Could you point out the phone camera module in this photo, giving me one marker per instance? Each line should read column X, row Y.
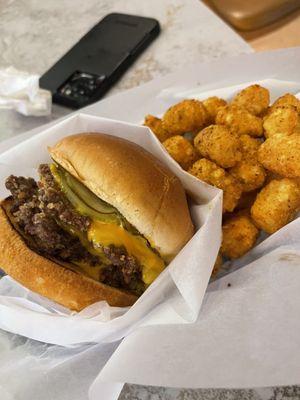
column 81, row 86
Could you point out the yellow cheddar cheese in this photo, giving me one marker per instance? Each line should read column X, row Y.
column 107, row 234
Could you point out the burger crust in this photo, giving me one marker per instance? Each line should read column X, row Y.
column 50, row 279
column 131, row 179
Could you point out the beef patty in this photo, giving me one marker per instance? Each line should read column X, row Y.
column 41, row 211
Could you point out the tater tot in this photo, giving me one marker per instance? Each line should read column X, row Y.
column 181, row 150
column 239, row 236
column 285, row 100
column 281, row 155
column 240, row 121
column 254, row 99
column 276, row 204
column 212, row 105
column 283, row 120
column 251, row 175
column 155, row 124
column 219, row 144
column 186, row 116
column 249, row 147
column 249, row 172
column 212, row 174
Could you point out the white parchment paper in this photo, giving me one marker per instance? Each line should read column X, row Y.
column 247, row 331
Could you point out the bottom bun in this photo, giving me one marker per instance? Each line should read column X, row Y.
column 50, row 279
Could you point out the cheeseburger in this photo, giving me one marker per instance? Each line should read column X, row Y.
column 102, row 222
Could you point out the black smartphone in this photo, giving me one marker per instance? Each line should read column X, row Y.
column 86, row 72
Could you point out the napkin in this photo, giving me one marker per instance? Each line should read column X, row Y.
column 20, row 91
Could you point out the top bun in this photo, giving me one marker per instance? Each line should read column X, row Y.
column 132, row 180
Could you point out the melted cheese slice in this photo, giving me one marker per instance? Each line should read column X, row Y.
column 107, row 234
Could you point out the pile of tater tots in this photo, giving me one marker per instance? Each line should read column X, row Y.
column 249, row 149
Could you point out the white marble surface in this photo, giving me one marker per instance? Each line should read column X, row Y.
column 34, row 34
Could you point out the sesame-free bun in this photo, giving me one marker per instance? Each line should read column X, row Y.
column 131, row 179
column 49, row 278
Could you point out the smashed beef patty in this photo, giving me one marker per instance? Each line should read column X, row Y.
column 123, row 268
column 56, row 204
column 36, row 208
column 31, row 213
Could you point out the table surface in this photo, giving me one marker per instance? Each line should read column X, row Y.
column 34, row 34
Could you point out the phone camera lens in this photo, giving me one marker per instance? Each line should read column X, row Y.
column 81, row 85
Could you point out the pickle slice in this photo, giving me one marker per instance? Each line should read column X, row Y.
column 86, row 202
column 88, row 197
column 78, row 203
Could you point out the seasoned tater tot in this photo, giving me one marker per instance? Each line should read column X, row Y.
column 186, row 116
column 240, row 121
column 212, row 174
column 155, row 124
column 181, row 150
column 254, row 99
column 249, row 147
column 249, row 172
column 276, row 204
column 281, row 155
column 251, row 175
column 219, row 144
column 212, row 105
column 239, row 236
column 283, row 120
column 285, row 100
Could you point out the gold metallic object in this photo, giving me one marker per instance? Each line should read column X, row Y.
column 253, row 14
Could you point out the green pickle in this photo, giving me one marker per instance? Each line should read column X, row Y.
column 84, row 201
column 89, row 198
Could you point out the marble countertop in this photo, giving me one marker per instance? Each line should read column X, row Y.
column 34, row 34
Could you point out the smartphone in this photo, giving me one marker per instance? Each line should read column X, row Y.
column 87, row 71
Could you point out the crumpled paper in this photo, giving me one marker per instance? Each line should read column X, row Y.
column 20, row 91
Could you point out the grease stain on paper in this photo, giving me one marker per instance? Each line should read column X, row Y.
column 290, row 257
